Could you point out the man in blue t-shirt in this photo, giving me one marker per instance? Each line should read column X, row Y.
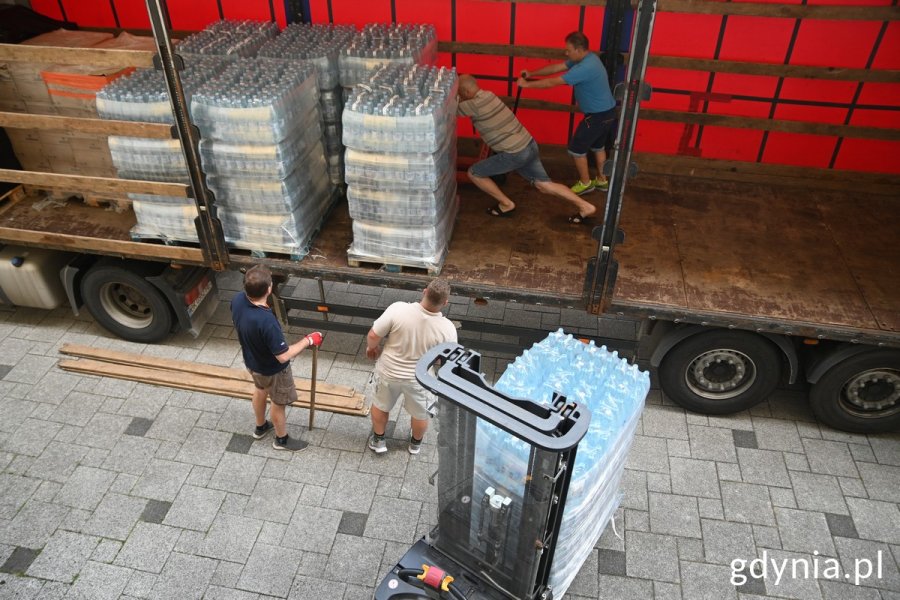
column 586, row 75
column 267, row 356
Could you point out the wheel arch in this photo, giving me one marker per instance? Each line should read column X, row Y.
column 834, row 357
column 678, row 334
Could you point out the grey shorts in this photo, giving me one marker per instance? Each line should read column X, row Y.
column 416, row 400
column 280, row 386
column 526, row 163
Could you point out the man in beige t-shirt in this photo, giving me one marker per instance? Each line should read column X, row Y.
column 411, row 329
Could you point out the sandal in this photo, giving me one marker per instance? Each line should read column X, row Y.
column 496, row 211
column 578, row 219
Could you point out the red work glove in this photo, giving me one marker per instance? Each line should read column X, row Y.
column 314, row 338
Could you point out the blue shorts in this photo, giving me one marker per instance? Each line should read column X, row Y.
column 526, row 163
column 595, row 132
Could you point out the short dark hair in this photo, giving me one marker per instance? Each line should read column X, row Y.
column 437, row 292
column 257, row 280
column 578, row 40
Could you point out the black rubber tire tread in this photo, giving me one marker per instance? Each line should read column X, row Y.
column 132, row 274
column 824, row 397
column 765, row 355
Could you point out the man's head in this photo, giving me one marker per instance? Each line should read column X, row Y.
column 257, row 281
column 436, row 295
column 577, row 46
column 468, row 87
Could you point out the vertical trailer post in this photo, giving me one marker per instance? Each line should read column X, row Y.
column 209, row 228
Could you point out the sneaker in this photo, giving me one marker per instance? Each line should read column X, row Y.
column 414, row 446
column 289, row 443
column 378, row 446
column 583, row 188
column 261, row 431
column 603, row 186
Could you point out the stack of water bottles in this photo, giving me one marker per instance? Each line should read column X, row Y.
column 262, row 151
column 614, row 392
column 228, row 38
column 320, row 45
column 399, row 129
column 379, row 44
column 142, row 96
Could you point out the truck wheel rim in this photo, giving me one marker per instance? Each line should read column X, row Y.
column 126, row 305
column 720, row 374
column 872, row 394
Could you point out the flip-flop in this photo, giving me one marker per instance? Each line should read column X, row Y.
column 496, row 211
column 577, row 219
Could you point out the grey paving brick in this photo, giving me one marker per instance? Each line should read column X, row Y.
column 215, row 592
column 612, row 587
column 648, row 454
column 63, row 556
column 235, row 504
column 852, row 487
column 796, row 462
column 173, row 424
column 33, row 524
column 194, row 508
column 184, row 577
column 782, row 497
column 140, row 585
column 313, row 528
column 31, row 436
column 270, row 570
column 392, row 464
column 886, row 449
column 389, row 487
column 767, row 537
column 98, row 581
column 665, row 422
column 139, row 426
column 390, row 519
column 22, row 588
column 818, row 492
column 351, row 491
column 203, row 447
column 862, row 453
column 882, row 481
column 131, row 455
column 611, row 562
column 651, row 556
column 14, row 491
column 706, row 582
column 744, row 439
column 694, row 477
column 239, row 443
column 19, row 560
column 747, row 503
column 789, row 586
column 161, row 480
column 148, row 547
column 106, row 551
column 230, row 538
column 30, row 369
column 273, row 500
column 237, row 473
column 710, row 508
column 724, row 542
column 103, row 430
column 145, row 401
column 830, row 458
column 115, row 516
column 311, row 588
column 777, row 434
column 85, row 488
column 355, row 560
column 674, row 515
column 884, row 574
column 76, row 409
column 841, row 525
column 637, row 520
column 874, row 520
column 765, row 467
column 750, row 585
column 659, row 482
column 712, row 443
column 804, row 531
column 53, row 387
column 690, row 549
column 832, row 590
column 634, row 487
column 155, row 511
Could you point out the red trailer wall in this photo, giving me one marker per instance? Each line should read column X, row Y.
column 852, row 44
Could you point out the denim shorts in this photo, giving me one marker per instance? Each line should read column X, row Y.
column 595, row 132
column 526, row 163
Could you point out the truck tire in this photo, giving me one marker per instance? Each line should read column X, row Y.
column 720, row 372
column 860, row 394
column 125, row 303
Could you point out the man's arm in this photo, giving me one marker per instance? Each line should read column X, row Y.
column 373, row 345
column 546, row 70
column 547, row 82
column 313, row 339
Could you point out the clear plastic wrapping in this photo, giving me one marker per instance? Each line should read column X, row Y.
column 400, row 207
column 229, row 38
column 386, row 44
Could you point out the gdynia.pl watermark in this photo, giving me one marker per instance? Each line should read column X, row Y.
column 815, row 567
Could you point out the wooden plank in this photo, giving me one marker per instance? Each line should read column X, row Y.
column 97, row 185
column 153, row 362
column 775, row 70
column 502, row 50
column 59, row 241
column 782, row 11
column 208, row 385
column 98, row 126
column 555, row 2
column 98, row 57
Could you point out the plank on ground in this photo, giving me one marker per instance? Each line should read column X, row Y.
column 201, row 383
column 141, row 360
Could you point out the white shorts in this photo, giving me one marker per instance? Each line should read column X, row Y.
column 416, row 400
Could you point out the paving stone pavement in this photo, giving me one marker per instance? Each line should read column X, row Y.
column 114, row 489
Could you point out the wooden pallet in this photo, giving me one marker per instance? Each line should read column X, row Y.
column 209, row 379
column 394, row 267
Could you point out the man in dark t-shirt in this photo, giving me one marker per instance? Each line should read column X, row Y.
column 267, row 356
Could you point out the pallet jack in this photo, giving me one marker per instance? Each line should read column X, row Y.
column 494, row 539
